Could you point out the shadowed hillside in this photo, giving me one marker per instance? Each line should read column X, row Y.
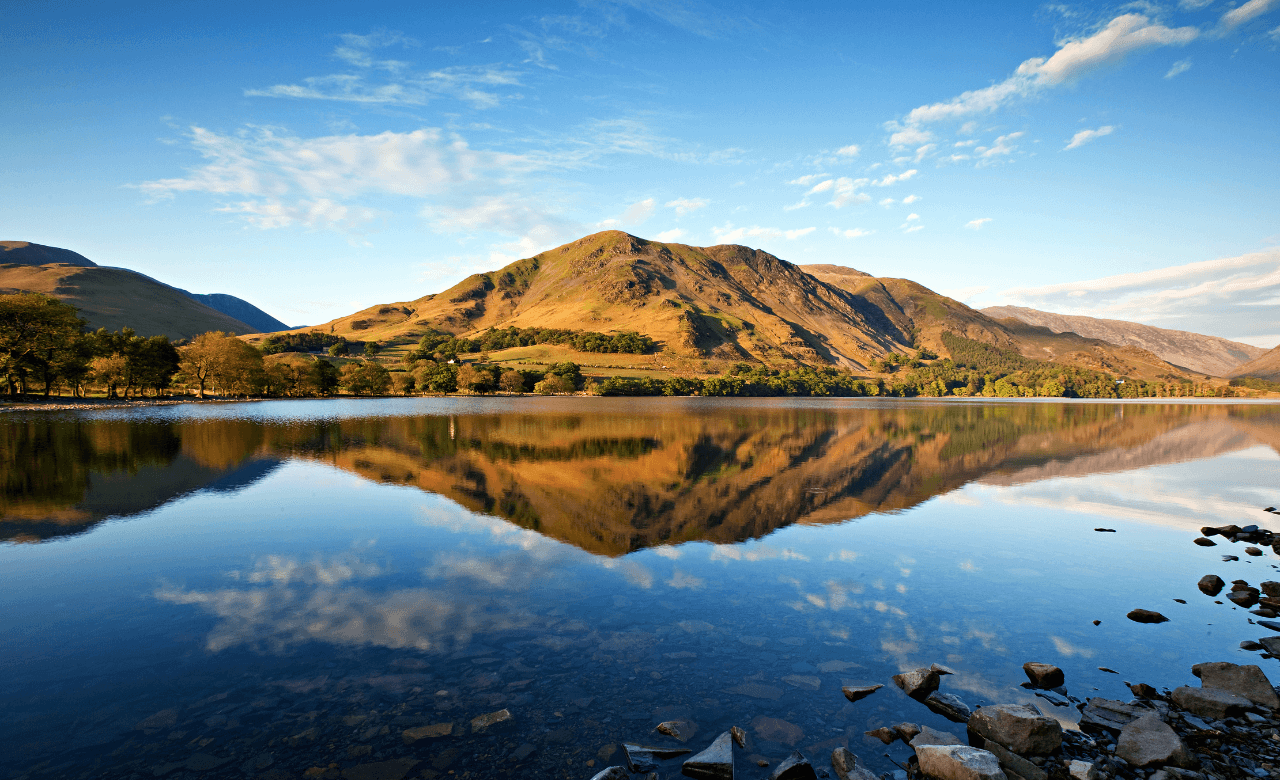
column 1265, row 366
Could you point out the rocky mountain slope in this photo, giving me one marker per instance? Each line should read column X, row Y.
column 1265, row 366
column 730, row 302
column 1203, row 354
column 113, row 298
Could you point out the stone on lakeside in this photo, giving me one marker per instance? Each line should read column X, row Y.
column 1108, row 715
column 1203, row 542
column 1247, row 681
column 929, row 736
column 959, row 762
column 1018, row 727
column 1014, row 764
column 940, row 669
column 1209, row 702
column 482, row 722
column 949, row 706
column 679, row 730
column 918, row 683
column 642, row 758
column 794, row 767
column 1254, row 551
column 884, row 734
column 612, row 773
column 413, row 735
column 777, row 730
column 845, row 764
column 1143, row 691
column 1271, row 643
column 739, row 736
column 1146, row 616
column 1044, row 675
column 907, row 731
column 857, row 692
column 1083, row 770
column 1211, row 585
column 1271, row 624
column 1243, row 598
column 714, row 763
column 1148, row 741
column 1271, row 588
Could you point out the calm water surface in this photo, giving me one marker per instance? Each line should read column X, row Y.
column 259, row 590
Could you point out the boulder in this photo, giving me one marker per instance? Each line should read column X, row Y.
column 958, row 762
column 1108, row 715
column 1143, row 691
column 714, row 763
column 1019, row 727
column 1254, row 551
column 1203, row 542
column 739, row 736
column 1271, row 588
column 1211, row 585
column 1014, row 763
column 949, row 706
column 907, row 731
column 884, row 734
column 858, row 692
column 1083, row 770
column 1148, row 741
column 940, row 669
column 1044, row 675
column 846, row 766
column 641, row 758
column 612, row 773
column 1247, row 681
column 1271, row 643
column 928, row 736
column 1146, row 616
column 1243, row 598
column 1209, row 702
column 794, row 767
column 918, row 683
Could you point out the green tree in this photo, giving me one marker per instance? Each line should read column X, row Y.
column 36, row 334
column 512, row 381
column 366, row 378
column 371, row 349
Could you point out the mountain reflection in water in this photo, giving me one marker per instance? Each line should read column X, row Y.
column 616, row 480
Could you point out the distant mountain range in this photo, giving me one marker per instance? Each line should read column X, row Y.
column 1203, row 354
column 114, row 298
column 729, row 302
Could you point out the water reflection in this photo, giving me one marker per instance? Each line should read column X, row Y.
column 611, row 483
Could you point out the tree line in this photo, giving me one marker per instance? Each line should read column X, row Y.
column 443, row 347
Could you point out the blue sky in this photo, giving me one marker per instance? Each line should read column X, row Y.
column 1113, row 160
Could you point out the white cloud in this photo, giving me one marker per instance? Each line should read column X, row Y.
column 1236, row 295
column 730, row 235
column 686, row 205
column 638, row 212
column 1250, row 10
column 320, row 213
column 1074, row 58
column 1085, row 136
column 851, row 150
column 800, row 205
column 670, row 235
column 909, row 136
column 846, row 192
column 888, row 202
column 911, row 199
column 1181, row 66
column 1194, row 5
column 912, row 228
column 851, row 233
column 913, row 217
column 891, row 178
column 821, row 186
column 976, row 224
column 805, row 181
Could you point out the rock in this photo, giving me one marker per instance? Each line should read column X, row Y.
column 1108, row 715
column 807, row 682
column 714, row 763
column 1271, row 643
column 1044, row 675
column 1271, row 588
column 1146, row 616
column 918, row 683
column 757, row 691
column 1254, row 551
column 1148, row 741
column 482, row 722
column 907, row 731
column 1019, row 727
column 777, row 730
column 949, row 706
column 1211, row 585
column 958, row 762
column 928, row 736
column 612, row 773
column 858, row 692
column 940, row 669
column 1271, row 624
column 527, row 749
column 203, row 762
column 795, row 767
column 1012, row 762
column 411, row 736
column 1203, row 542
column 846, row 766
column 739, row 736
column 1251, row 645
column 679, row 730
column 884, row 734
column 1246, row 681
column 1243, row 598
column 1209, row 702
column 1143, row 691
column 1083, row 770
column 395, row 769
column 641, row 758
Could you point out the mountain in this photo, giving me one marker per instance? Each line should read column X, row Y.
column 1203, row 354
column 113, row 298
column 1265, row 366
column 729, row 302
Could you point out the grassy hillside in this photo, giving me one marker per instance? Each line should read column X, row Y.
column 1265, row 367
column 114, row 298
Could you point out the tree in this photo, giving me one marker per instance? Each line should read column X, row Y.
column 402, row 382
column 371, row 349
column 228, row 363
column 34, row 332
column 511, row 381
column 339, row 349
column 476, row 379
column 553, row 385
column 366, row 378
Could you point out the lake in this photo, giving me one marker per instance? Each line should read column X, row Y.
column 478, row 587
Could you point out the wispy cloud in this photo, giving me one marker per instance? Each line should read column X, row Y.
column 1247, row 12
column 638, row 212
column 685, row 205
column 976, row 224
column 851, row 233
column 894, row 178
column 674, row 234
column 728, row 234
column 1085, row 136
column 1181, row 66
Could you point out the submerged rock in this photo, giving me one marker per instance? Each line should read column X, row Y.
column 958, row 762
column 907, row 731
column 1148, row 741
column 642, row 758
column 612, row 773
column 413, row 735
column 928, row 736
column 739, row 736
column 949, row 706
column 777, row 730
column 679, row 730
column 859, row 692
column 1246, row 681
column 1044, row 675
column 714, row 763
column 884, row 734
column 918, row 683
column 1146, row 616
column 1211, row 585
column 795, row 767
column 1019, row 727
